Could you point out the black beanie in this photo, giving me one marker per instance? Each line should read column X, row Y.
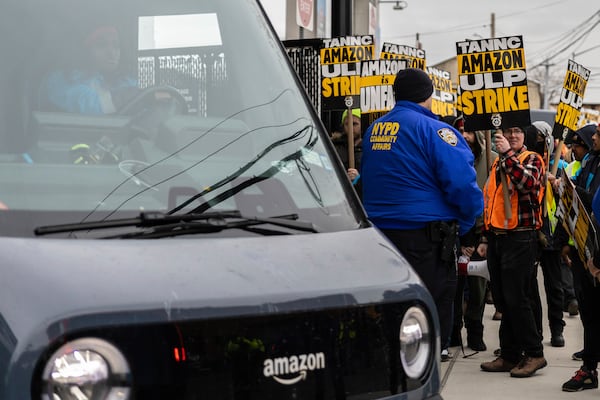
column 412, row 84
column 530, row 140
column 583, row 136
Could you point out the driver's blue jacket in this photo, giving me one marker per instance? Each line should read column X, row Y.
column 417, row 169
column 79, row 92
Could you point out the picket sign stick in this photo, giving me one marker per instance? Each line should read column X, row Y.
column 557, row 154
column 505, row 194
column 553, row 171
column 350, row 134
column 488, row 150
column 488, row 153
column 507, row 207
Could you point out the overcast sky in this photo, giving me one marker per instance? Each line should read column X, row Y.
column 552, row 29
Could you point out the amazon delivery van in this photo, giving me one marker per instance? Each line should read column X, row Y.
column 175, row 224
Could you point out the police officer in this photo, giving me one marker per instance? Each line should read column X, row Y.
column 420, row 187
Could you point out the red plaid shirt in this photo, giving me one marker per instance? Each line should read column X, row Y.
column 526, row 178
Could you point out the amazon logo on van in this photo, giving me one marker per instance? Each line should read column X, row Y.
column 298, row 364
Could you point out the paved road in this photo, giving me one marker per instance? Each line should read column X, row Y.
column 463, row 379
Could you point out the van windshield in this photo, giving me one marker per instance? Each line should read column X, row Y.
column 116, row 107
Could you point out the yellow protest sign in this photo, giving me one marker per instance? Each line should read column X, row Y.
column 443, row 101
column 576, row 220
column 414, row 57
column 377, row 79
column 340, row 60
column 492, row 81
column 568, row 110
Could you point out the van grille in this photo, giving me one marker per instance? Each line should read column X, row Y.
column 327, row 354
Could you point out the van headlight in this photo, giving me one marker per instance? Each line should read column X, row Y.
column 87, row 368
column 415, row 342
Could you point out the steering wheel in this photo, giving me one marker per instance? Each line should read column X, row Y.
column 153, row 96
column 149, row 108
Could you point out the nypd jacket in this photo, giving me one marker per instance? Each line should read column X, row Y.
column 417, row 169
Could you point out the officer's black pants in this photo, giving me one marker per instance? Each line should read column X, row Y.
column 439, row 277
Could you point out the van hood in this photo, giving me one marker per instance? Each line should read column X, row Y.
column 47, row 282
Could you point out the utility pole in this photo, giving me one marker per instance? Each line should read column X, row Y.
column 493, row 25
column 547, row 66
column 341, row 20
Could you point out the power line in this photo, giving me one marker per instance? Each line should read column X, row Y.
column 567, row 36
column 586, row 50
column 569, row 44
column 475, row 25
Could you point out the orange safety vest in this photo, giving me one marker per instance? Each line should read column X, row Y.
column 494, row 216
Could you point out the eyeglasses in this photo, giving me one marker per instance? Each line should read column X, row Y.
column 513, row 131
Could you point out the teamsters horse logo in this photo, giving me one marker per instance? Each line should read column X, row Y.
column 299, row 364
column 496, row 120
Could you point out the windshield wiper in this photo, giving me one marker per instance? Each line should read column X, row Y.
column 270, row 172
column 163, row 225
